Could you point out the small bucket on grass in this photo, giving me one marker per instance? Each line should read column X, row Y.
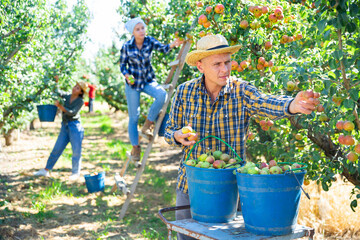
column 213, row 193
column 270, row 203
column 95, row 183
column 47, row 112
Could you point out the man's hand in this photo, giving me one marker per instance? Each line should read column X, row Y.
column 305, row 102
column 183, row 137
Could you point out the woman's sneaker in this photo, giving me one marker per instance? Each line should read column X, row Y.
column 74, row 176
column 42, row 172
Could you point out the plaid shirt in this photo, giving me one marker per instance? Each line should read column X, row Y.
column 138, row 62
column 227, row 118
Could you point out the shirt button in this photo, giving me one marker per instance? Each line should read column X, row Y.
column 209, row 116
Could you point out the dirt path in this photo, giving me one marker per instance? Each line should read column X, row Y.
column 54, row 208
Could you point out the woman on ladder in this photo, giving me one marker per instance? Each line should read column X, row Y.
column 135, row 65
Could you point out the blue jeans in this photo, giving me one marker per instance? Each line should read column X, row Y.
column 71, row 132
column 133, row 102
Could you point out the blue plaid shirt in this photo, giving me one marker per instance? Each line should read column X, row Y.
column 227, row 118
column 138, row 62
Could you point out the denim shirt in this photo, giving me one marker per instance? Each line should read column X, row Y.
column 72, row 109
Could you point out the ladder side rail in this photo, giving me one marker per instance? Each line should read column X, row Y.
column 171, row 90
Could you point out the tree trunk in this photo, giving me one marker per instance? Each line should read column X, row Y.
column 9, row 137
column 32, row 125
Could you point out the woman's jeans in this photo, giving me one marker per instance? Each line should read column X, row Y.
column 71, row 132
column 133, row 102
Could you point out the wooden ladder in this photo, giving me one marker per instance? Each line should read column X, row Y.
column 170, row 86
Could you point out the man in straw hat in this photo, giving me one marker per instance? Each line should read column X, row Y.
column 220, row 105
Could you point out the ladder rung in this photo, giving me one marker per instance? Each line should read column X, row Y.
column 174, row 63
column 166, row 86
column 121, row 184
column 136, row 163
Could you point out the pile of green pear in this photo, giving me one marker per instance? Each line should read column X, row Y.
column 214, row 160
column 265, row 168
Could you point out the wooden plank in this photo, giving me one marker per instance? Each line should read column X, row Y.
column 174, row 63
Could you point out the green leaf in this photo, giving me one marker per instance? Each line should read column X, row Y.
column 216, row 17
column 338, row 54
column 321, row 25
column 349, row 103
column 351, row 27
column 354, row 94
column 327, row 35
column 354, row 9
column 343, row 19
column 342, row 5
column 332, row 63
column 325, row 186
column 353, row 205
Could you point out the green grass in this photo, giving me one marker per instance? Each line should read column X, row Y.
column 118, row 149
column 160, row 184
column 54, row 190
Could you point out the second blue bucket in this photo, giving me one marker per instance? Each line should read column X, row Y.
column 46, row 112
column 270, row 203
column 95, row 183
column 213, row 194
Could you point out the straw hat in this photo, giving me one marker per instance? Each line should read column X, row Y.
column 210, row 45
column 83, row 85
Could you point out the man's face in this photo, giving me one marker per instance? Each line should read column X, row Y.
column 216, row 68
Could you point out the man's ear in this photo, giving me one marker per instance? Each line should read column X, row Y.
column 199, row 66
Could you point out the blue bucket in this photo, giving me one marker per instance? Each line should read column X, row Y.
column 95, row 183
column 47, row 112
column 213, row 194
column 161, row 132
column 270, row 203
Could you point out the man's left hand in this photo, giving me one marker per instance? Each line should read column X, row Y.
column 305, row 102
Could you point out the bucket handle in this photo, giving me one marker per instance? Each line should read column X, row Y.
column 238, row 157
column 292, row 171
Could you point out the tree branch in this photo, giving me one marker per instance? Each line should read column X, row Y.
column 17, row 49
column 14, row 31
column 331, row 150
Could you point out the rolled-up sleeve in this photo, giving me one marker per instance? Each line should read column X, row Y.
column 124, row 60
column 164, row 48
column 270, row 106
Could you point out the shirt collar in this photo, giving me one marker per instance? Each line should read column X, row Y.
column 132, row 41
column 226, row 89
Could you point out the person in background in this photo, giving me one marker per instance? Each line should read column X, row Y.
column 92, row 89
column 71, row 131
column 135, row 65
column 220, row 105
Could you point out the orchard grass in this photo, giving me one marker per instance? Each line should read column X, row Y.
column 55, row 203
